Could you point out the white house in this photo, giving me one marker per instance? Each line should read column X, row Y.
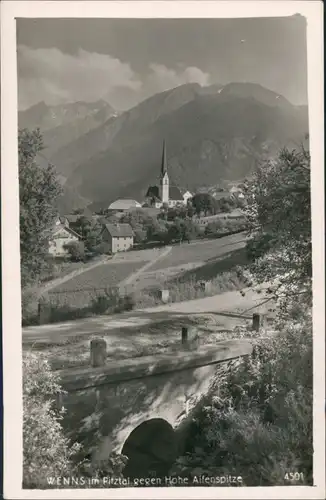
column 187, row 196
column 61, row 236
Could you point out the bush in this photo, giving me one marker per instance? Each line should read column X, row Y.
column 46, row 451
column 76, row 250
column 261, row 424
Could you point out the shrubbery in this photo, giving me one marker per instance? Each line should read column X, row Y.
column 260, row 426
column 47, row 452
column 76, row 250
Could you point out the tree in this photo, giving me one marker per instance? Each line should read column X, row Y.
column 157, row 231
column 39, row 190
column 90, row 232
column 279, row 222
column 76, row 250
column 203, row 202
column 182, row 230
column 140, row 234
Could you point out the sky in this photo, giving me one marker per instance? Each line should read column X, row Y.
column 124, row 61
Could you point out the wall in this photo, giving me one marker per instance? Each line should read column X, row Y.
column 122, row 244
column 104, row 405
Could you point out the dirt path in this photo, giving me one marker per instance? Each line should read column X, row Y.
column 144, row 268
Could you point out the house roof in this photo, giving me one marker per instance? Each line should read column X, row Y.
column 122, row 204
column 119, row 230
column 71, row 218
column 65, row 228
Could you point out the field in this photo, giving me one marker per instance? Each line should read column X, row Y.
column 203, row 260
column 201, row 251
column 179, row 268
column 79, row 291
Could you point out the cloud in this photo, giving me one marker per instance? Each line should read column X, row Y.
column 163, row 78
column 55, row 77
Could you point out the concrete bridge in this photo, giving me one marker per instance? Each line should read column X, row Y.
column 141, row 407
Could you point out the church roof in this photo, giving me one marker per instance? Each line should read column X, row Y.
column 174, row 193
column 153, row 192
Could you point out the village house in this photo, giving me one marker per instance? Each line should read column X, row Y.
column 62, row 221
column 237, row 192
column 165, row 193
column 119, row 237
column 122, row 205
column 187, row 195
column 60, row 237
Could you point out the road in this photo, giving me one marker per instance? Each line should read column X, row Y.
column 231, row 309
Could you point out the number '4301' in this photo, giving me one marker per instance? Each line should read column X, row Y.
column 294, row 476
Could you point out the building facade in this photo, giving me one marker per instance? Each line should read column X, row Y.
column 60, row 237
column 118, row 237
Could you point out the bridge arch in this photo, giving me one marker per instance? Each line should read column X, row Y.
column 151, row 449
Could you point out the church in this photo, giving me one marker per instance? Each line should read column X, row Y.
column 165, row 193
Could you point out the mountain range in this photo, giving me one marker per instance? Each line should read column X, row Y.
column 213, row 134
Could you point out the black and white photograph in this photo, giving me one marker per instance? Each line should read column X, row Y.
column 162, row 201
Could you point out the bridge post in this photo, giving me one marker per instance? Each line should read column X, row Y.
column 98, row 352
column 184, row 335
column 256, row 322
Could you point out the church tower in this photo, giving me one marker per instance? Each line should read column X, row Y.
column 164, row 178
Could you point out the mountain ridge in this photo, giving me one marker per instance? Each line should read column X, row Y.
column 213, row 133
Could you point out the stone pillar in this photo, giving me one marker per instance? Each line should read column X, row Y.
column 164, row 295
column 189, row 336
column 98, row 352
column 256, row 322
column 44, row 312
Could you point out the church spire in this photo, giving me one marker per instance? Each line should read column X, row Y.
column 164, row 167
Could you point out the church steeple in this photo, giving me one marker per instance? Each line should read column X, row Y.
column 164, row 180
column 164, row 168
